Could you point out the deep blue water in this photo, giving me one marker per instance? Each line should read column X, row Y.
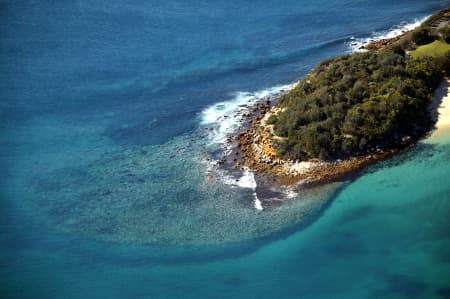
column 105, row 187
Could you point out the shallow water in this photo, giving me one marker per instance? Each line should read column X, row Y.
column 109, row 114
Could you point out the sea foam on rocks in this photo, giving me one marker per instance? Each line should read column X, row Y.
column 356, row 44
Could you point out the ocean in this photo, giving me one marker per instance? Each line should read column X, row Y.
column 113, row 115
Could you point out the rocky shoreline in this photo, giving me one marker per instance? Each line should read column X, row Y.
column 255, row 148
column 381, row 43
column 258, row 154
column 433, row 22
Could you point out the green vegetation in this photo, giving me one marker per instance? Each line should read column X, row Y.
column 436, row 49
column 422, row 36
column 354, row 104
column 445, row 33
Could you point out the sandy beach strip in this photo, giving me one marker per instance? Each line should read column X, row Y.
column 441, row 105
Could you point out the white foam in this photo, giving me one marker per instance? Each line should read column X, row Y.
column 247, row 180
column 290, row 193
column 223, row 118
column 258, row 204
column 355, row 44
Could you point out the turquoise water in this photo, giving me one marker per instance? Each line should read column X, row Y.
column 112, row 115
column 385, row 235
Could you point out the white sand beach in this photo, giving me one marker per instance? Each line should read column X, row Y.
column 441, row 105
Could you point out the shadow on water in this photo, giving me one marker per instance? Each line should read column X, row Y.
column 443, row 293
column 399, row 285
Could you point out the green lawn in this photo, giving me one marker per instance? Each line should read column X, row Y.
column 436, row 48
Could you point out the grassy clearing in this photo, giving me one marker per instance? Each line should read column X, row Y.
column 435, row 49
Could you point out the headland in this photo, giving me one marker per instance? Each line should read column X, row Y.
column 353, row 110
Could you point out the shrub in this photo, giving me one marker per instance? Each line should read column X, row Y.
column 272, row 119
column 422, row 36
column 443, row 62
column 445, row 33
column 369, row 99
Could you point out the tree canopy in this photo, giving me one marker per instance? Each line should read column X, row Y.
column 350, row 104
